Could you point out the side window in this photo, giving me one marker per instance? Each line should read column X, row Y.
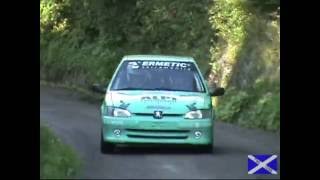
column 198, row 82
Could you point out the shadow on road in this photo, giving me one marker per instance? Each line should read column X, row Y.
column 128, row 150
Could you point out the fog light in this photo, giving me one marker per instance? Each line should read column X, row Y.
column 197, row 134
column 117, row 132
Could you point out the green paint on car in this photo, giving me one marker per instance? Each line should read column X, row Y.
column 156, row 99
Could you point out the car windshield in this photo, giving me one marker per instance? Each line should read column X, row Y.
column 158, row 75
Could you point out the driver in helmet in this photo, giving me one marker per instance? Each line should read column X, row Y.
column 136, row 77
column 161, row 79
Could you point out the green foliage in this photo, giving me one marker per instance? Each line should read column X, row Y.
column 82, row 41
column 235, row 102
column 96, row 34
column 258, row 106
column 264, row 6
column 56, row 159
column 51, row 15
column 245, row 60
column 229, row 19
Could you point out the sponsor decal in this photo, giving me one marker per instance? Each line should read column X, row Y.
column 192, row 107
column 123, row 105
column 134, row 65
column 158, row 98
column 160, row 65
column 158, row 107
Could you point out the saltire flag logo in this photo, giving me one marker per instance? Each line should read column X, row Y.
column 262, row 164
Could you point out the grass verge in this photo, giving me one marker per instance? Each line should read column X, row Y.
column 57, row 160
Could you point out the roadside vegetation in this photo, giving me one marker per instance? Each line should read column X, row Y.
column 235, row 42
column 57, row 160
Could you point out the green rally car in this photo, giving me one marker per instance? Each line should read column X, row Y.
column 153, row 99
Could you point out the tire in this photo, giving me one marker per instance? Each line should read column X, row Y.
column 105, row 147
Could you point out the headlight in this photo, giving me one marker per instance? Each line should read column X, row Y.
column 121, row 112
column 198, row 114
column 117, row 112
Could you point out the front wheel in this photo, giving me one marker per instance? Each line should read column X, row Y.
column 106, row 147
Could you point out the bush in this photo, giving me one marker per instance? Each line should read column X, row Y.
column 235, row 41
column 56, row 159
column 234, row 104
column 94, row 35
column 258, row 106
column 246, row 60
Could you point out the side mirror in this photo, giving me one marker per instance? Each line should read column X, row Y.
column 98, row 88
column 217, row 92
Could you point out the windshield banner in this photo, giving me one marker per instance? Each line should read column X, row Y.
column 160, row 65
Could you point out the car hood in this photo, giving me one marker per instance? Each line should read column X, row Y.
column 167, row 101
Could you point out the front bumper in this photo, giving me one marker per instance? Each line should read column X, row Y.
column 144, row 130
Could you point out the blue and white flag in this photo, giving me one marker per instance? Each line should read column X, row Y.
column 262, row 164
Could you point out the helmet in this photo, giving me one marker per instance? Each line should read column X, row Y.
column 136, row 74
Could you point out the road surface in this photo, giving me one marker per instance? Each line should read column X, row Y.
column 77, row 123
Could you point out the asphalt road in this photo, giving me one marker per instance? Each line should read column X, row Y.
column 77, row 123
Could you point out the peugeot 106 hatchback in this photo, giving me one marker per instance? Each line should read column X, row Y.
column 153, row 99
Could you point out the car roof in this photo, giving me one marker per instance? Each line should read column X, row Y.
column 158, row 58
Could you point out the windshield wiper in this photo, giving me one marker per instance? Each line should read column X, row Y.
column 152, row 89
column 164, row 89
column 129, row 88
